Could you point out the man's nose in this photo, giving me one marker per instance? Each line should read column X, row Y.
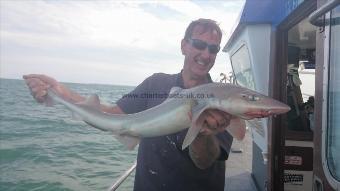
column 205, row 53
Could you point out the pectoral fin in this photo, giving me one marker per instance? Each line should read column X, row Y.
column 192, row 132
column 196, row 124
column 237, row 128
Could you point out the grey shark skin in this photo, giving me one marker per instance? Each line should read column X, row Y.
column 181, row 110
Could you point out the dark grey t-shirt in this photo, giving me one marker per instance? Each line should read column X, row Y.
column 161, row 163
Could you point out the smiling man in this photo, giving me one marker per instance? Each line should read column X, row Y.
column 161, row 163
column 200, row 45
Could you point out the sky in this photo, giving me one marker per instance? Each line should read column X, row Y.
column 104, row 42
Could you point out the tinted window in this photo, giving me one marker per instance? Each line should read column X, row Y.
column 333, row 121
column 242, row 69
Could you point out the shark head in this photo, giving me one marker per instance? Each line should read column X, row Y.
column 248, row 104
column 241, row 103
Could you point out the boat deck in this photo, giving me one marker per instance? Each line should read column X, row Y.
column 238, row 166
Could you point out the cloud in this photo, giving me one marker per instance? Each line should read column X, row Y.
column 102, row 39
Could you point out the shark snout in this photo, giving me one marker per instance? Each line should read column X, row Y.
column 267, row 110
column 279, row 110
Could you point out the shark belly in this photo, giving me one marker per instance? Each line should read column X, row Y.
column 167, row 119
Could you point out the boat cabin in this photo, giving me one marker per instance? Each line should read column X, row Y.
column 290, row 50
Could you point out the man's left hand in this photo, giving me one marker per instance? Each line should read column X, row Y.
column 215, row 121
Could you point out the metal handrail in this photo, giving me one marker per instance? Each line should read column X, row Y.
column 123, row 178
column 313, row 18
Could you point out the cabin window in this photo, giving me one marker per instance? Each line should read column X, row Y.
column 240, row 62
column 301, row 79
column 333, row 121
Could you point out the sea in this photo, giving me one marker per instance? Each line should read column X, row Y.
column 44, row 148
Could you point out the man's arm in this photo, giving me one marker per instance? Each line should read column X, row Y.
column 111, row 109
column 38, row 85
column 205, row 149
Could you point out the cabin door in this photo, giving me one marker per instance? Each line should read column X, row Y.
column 327, row 101
column 305, row 143
column 291, row 144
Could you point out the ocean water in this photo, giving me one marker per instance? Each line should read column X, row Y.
column 43, row 148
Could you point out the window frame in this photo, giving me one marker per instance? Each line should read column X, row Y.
column 325, row 102
column 243, row 44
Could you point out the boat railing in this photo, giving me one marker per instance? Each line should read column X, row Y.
column 314, row 17
column 122, row 178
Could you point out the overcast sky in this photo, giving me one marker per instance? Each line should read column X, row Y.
column 110, row 42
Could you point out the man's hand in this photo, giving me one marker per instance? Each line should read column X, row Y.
column 215, row 121
column 38, row 85
column 205, row 149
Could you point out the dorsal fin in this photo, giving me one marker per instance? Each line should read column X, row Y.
column 175, row 90
column 92, row 101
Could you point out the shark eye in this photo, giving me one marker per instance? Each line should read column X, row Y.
column 253, row 98
column 244, row 95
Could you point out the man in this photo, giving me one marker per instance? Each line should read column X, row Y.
column 161, row 163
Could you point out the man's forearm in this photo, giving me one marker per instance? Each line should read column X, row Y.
column 75, row 97
column 69, row 94
column 204, row 150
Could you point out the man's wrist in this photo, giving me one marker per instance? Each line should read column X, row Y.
column 204, row 150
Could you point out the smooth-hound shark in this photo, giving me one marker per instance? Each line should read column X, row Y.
column 181, row 110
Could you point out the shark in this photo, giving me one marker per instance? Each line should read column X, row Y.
column 181, row 110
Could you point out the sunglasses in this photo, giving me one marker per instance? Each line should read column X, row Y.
column 201, row 45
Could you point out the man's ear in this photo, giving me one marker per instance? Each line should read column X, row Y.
column 183, row 46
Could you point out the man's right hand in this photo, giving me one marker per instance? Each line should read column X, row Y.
column 38, row 85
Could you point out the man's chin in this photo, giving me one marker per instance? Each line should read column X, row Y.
column 200, row 73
